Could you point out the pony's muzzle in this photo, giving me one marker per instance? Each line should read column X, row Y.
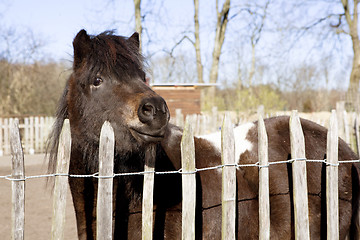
column 154, row 116
column 153, row 112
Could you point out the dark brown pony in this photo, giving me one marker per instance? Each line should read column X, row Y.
column 108, row 84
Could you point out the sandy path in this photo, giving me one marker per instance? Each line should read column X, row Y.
column 38, row 202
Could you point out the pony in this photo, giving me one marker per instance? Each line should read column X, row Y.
column 108, row 83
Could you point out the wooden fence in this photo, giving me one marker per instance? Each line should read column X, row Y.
column 348, row 122
column 229, row 166
column 34, row 132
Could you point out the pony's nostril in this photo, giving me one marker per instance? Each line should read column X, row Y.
column 146, row 112
column 148, row 109
column 153, row 110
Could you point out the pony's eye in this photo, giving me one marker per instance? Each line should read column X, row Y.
column 97, row 82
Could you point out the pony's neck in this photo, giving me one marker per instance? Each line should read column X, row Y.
column 171, row 145
column 206, row 153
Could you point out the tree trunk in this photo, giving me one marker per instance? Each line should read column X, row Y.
column 138, row 25
column 252, row 67
column 199, row 65
column 353, row 89
column 352, row 21
column 255, row 37
column 222, row 20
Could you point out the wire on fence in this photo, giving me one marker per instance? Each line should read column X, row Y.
column 180, row 171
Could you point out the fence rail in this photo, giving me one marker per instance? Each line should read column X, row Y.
column 188, row 172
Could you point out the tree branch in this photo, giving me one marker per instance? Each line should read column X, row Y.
column 178, row 43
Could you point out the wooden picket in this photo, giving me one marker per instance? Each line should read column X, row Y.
column 264, row 201
column 61, row 183
column 18, row 186
column 300, row 192
column 228, row 180
column 357, row 134
column 6, row 136
column 188, row 182
column 104, row 206
column 1, row 136
column 105, row 181
column 148, row 193
column 332, row 198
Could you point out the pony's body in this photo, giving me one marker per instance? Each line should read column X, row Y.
column 207, row 152
column 108, row 84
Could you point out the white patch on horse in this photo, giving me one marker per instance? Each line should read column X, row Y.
column 241, row 143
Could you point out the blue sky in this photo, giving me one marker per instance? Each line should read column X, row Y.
column 57, row 22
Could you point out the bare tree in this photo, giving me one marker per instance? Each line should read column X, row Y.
column 138, row 22
column 328, row 25
column 195, row 44
column 20, row 45
column 352, row 22
column 255, row 37
column 199, row 65
column 169, row 69
column 221, row 23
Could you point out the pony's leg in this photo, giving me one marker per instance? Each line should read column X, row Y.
column 84, row 200
column 355, row 231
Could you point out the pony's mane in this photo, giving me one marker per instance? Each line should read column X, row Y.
column 53, row 141
column 117, row 54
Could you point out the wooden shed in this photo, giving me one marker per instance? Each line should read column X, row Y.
column 184, row 96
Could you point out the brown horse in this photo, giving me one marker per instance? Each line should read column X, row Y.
column 108, row 84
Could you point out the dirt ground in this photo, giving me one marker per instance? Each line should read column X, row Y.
column 38, row 202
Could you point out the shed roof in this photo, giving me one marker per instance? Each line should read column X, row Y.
column 195, row 85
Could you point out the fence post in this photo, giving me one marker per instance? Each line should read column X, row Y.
column 193, row 122
column 42, row 134
column 18, row 183
column 179, row 118
column 228, row 179
column 332, row 198
column 261, row 111
column 346, row 128
column 6, row 136
column 188, row 182
column 264, row 202
column 148, row 193
column 214, row 119
column 1, row 138
column 104, row 206
column 202, row 124
column 301, row 210
column 32, row 146
column 61, row 183
column 36, row 134
column 352, row 134
column 357, row 134
column 26, row 137
column 340, row 108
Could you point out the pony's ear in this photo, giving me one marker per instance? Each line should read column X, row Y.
column 81, row 46
column 135, row 40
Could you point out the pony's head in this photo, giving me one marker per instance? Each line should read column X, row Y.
column 108, row 83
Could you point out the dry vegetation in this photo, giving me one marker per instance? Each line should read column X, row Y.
column 248, row 99
column 31, row 89
column 34, row 89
